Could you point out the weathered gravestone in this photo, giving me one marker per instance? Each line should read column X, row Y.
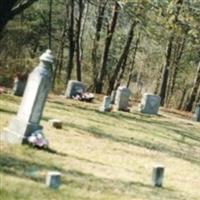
column 29, row 114
column 19, row 85
column 196, row 116
column 74, row 88
column 106, row 105
column 113, row 95
column 158, row 175
column 122, row 98
column 150, row 104
column 53, row 179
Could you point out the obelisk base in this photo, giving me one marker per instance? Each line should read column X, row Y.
column 18, row 131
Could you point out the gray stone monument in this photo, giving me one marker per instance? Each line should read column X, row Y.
column 74, row 88
column 106, row 105
column 196, row 116
column 113, row 95
column 158, row 175
column 122, row 98
column 150, row 104
column 53, row 179
column 30, row 111
column 19, row 87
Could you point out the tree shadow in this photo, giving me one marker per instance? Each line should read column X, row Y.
column 3, row 110
column 91, row 182
column 25, row 169
column 99, row 133
column 34, row 171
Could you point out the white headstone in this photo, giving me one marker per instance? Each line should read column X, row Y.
column 158, row 175
column 150, row 104
column 74, row 88
column 122, row 98
column 106, row 105
column 53, row 179
column 30, row 111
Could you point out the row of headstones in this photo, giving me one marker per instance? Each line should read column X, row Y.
column 53, row 178
column 149, row 105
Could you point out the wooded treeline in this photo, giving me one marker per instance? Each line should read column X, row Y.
column 148, row 45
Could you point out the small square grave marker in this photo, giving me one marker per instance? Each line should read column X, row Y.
column 53, row 179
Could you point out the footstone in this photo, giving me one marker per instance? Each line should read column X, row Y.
column 196, row 116
column 74, row 88
column 113, row 95
column 106, row 105
column 122, row 98
column 56, row 123
column 150, row 104
column 30, row 111
column 53, row 179
column 158, row 175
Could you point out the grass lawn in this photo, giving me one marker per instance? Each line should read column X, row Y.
column 102, row 156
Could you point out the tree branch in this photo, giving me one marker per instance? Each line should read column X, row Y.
column 20, row 7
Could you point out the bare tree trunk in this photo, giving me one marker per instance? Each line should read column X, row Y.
column 194, row 92
column 133, row 62
column 78, row 40
column 71, row 50
column 183, row 96
column 85, row 14
column 50, row 23
column 100, row 16
column 165, row 71
column 197, row 100
column 175, row 65
column 122, row 60
column 110, row 31
column 59, row 62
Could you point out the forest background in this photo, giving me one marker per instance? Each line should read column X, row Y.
column 147, row 45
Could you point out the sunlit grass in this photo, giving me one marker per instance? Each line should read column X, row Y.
column 102, row 155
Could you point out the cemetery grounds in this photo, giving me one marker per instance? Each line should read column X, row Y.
column 102, row 156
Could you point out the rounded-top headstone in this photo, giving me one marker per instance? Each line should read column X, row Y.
column 73, row 88
column 122, row 98
column 47, row 56
column 106, row 105
column 150, row 104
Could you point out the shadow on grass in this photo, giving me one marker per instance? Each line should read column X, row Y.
column 169, row 126
column 77, row 104
column 8, row 111
column 11, row 98
column 77, row 179
column 176, row 152
column 132, row 189
column 23, row 168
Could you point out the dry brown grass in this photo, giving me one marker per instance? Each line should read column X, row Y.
column 103, row 156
